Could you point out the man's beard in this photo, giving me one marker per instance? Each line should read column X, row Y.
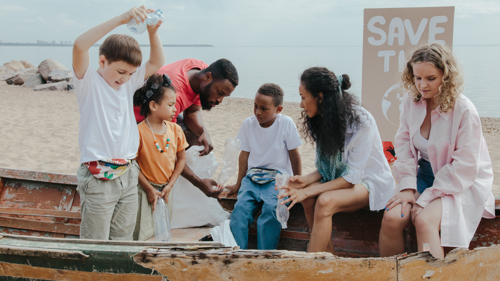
column 205, row 104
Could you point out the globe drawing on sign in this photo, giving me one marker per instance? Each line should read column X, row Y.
column 392, row 103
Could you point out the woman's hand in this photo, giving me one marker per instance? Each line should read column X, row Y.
column 404, row 198
column 294, row 195
column 414, row 212
column 296, row 182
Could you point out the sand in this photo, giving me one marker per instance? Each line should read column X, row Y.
column 39, row 131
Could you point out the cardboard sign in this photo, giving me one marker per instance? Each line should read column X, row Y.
column 389, row 37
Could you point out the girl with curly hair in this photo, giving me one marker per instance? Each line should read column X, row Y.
column 161, row 154
column 352, row 171
column 443, row 169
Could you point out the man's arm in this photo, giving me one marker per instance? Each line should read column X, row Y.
column 296, row 161
column 192, row 119
column 242, row 172
column 156, row 55
column 88, row 39
column 205, row 185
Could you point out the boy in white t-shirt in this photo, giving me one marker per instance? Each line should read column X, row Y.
column 108, row 136
column 269, row 145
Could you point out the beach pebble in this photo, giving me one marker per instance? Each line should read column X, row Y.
column 59, row 75
column 14, row 65
column 59, row 86
column 27, row 64
column 49, row 65
column 34, row 80
column 3, row 68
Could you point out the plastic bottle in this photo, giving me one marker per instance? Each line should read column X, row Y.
column 282, row 213
column 151, row 19
column 163, row 233
column 229, row 160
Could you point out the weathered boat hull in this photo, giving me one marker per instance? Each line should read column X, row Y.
column 34, row 204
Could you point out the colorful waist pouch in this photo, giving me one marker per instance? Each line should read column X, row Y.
column 262, row 175
column 108, row 169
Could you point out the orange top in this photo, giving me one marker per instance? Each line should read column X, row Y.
column 158, row 167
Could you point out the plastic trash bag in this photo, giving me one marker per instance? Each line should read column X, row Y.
column 222, row 233
column 163, row 233
column 282, row 213
column 190, row 206
column 229, row 160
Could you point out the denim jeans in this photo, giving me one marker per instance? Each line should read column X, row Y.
column 251, row 198
column 425, row 176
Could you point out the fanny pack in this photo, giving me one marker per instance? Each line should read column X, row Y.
column 108, row 169
column 262, row 175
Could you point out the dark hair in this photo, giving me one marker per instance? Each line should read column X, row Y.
column 336, row 111
column 121, row 47
column 272, row 90
column 223, row 69
column 156, row 87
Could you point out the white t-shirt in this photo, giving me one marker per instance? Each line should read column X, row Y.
column 269, row 147
column 107, row 123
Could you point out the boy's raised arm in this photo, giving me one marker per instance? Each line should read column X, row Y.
column 156, row 54
column 88, row 39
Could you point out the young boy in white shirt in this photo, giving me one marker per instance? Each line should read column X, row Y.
column 108, row 135
column 269, row 145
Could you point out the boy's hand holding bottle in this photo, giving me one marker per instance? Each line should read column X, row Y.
column 233, row 189
column 139, row 14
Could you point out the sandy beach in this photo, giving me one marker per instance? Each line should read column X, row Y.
column 40, row 131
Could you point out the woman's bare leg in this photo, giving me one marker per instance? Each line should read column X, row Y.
column 391, row 240
column 428, row 225
column 328, row 204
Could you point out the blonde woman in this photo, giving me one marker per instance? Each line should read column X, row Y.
column 443, row 169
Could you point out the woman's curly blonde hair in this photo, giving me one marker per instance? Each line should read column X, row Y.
column 442, row 58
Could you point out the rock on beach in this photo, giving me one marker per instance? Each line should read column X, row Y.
column 14, row 65
column 59, row 75
column 59, row 86
column 49, row 65
column 27, row 64
column 34, row 80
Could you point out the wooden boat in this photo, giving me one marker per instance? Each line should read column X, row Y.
column 39, row 228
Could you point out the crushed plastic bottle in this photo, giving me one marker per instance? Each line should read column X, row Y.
column 282, row 213
column 163, row 233
column 151, row 19
column 229, row 160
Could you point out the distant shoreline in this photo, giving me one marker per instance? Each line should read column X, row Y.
column 95, row 45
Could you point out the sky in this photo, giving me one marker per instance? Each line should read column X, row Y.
column 235, row 22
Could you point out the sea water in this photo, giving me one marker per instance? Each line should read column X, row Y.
column 283, row 66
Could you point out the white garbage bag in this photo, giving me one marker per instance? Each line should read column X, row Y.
column 222, row 233
column 190, row 206
column 229, row 160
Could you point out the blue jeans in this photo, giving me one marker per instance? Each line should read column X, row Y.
column 425, row 176
column 251, row 198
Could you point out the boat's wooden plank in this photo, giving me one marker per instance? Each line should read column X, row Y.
column 56, row 227
column 35, row 252
column 38, row 176
column 67, row 198
column 26, row 271
column 460, row 264
column 264, row 265
column 62, row 241
column 16, row 231
column 39, row 212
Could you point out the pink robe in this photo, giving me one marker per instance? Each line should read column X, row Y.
column 460, row 161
